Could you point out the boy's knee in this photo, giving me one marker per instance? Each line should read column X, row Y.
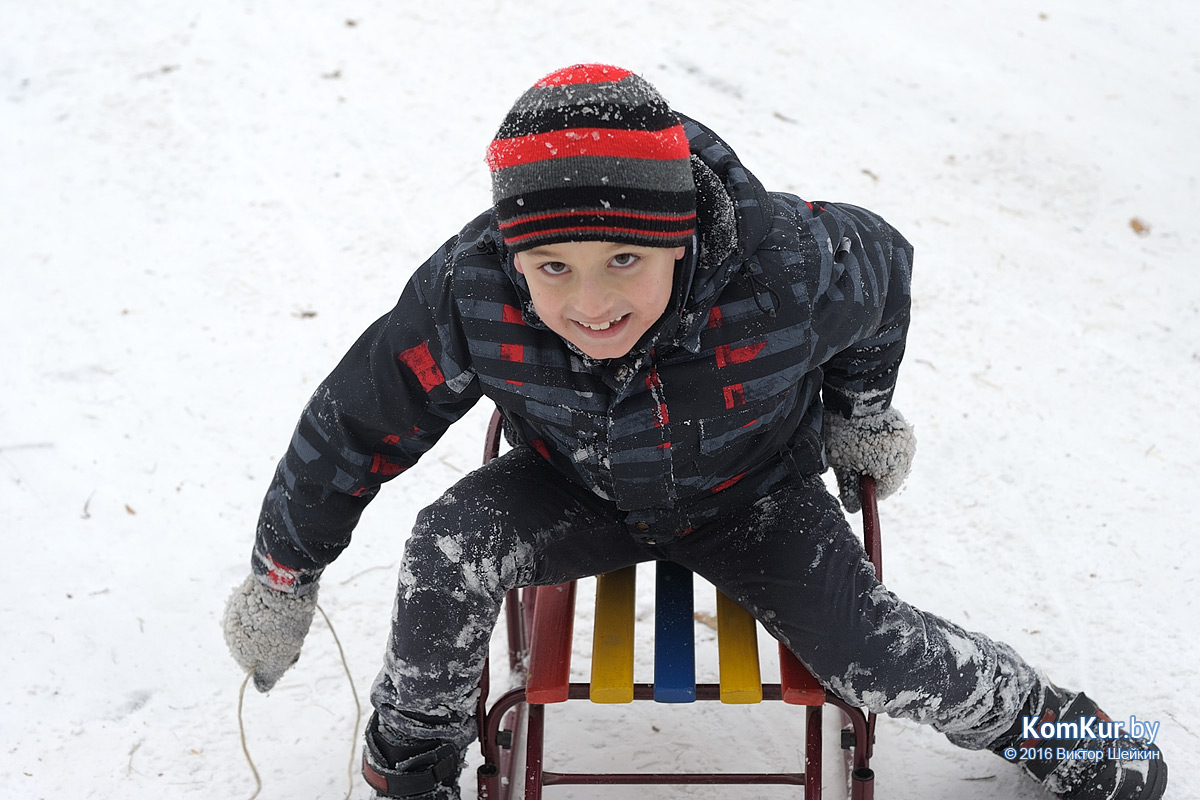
column 863, row 642
column 466, row 548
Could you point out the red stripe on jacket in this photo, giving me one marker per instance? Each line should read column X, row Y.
column 512, row 314
column 421, row 362
column 727, row 354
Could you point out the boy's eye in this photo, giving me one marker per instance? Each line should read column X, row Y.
column 624, row 260
column 554, row 268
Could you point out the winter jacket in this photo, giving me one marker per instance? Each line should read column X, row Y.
column 779, row 302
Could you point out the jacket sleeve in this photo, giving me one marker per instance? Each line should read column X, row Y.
column 861, row 308
column 392, row 396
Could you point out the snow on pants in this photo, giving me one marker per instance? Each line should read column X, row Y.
column 788, row 557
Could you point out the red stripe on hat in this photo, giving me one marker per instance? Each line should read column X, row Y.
column 584, row 73
column 598, row 213
column 667, row 144
column 596, row 229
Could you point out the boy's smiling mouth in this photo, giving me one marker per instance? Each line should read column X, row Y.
column 602, row 327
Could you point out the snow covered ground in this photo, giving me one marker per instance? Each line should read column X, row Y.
column 203, row 204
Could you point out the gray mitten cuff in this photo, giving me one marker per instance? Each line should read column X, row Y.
column 881, row 445
column 265, row 629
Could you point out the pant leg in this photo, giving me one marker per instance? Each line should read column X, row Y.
column 792, row 560
column 513, row 522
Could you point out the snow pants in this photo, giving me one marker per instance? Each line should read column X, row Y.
column 789, row 557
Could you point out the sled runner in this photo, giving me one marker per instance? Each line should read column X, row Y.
column 540, row 625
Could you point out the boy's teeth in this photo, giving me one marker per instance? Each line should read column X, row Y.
column 603, row 326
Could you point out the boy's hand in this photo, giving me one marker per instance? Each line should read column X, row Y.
column 265, row 628
column 880, row 445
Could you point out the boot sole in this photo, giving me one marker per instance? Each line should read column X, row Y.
column 1156, row 781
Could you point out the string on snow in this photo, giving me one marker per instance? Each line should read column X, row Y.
column 242, row 731
column 357, row 717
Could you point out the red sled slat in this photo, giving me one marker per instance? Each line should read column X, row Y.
column 550, row 644
column 799, row 687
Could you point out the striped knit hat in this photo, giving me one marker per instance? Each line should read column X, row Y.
column 592, row 153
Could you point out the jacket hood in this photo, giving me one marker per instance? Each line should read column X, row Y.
column 733, row 209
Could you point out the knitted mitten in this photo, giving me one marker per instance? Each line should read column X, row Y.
column 880, row 445
column 265, row 628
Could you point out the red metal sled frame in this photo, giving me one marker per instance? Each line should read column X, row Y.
column 511, row 718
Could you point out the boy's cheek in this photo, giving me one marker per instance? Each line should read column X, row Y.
column 537, row 295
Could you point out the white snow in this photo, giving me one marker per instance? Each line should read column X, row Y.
column 204, row 204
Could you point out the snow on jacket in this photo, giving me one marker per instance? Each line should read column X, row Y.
column 781, row 301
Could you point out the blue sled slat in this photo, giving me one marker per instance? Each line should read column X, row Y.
column 674, row 635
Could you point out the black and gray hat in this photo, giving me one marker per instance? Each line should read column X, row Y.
column 592, row 153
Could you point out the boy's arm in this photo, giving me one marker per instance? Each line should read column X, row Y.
column 861, row 315
column 861, row 307
column 400, row 386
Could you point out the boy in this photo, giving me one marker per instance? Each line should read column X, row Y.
column 678, row 355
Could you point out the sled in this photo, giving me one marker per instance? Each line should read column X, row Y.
column 540, row 623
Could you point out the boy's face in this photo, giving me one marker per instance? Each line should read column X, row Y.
column 599, row 296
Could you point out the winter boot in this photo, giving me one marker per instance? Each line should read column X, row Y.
column 1076, row 751
column 425, row 770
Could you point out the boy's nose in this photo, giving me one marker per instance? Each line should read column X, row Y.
column 594, row 299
